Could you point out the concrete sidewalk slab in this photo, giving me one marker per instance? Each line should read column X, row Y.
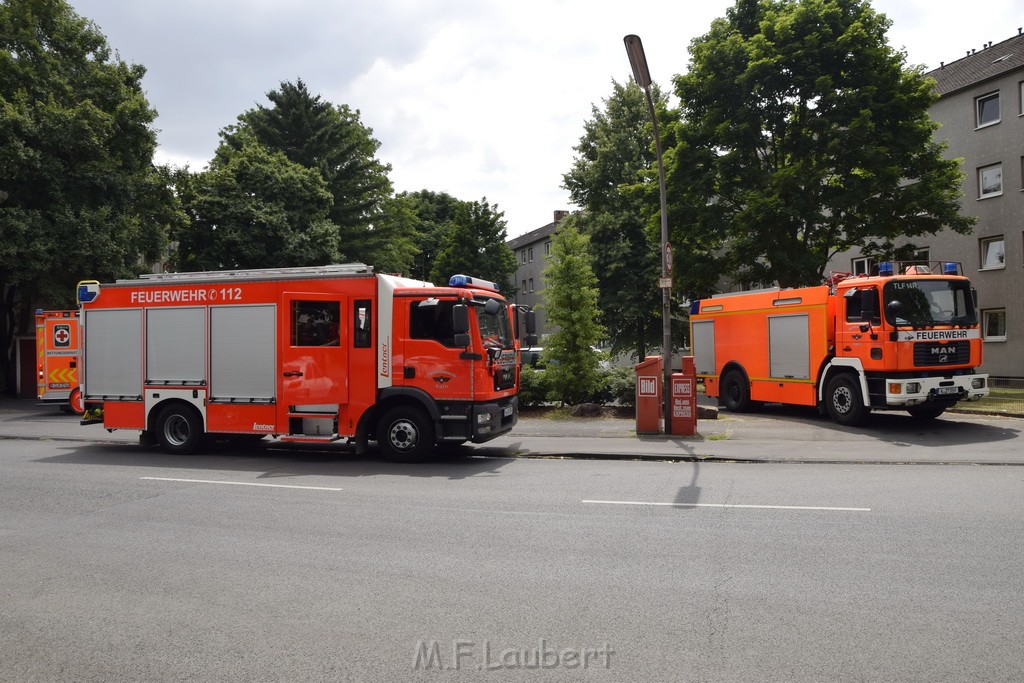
column 775, row 434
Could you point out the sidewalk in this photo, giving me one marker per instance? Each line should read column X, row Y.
column 775, row 434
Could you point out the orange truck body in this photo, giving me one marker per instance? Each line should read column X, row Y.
column 302, row 354
column 908, row 341
column 57, row 358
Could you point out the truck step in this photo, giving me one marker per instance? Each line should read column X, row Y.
column 309, row 438
column 314, row 416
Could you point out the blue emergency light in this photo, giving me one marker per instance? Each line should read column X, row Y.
column 88, row 290
column 467, row 281
column 885, row 268
column 950, row 269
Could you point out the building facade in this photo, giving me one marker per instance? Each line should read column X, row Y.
column 532, row 251
column 980, row 112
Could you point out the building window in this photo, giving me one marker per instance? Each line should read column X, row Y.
column 525, row 290
column 862, row 265
column 993, row 254
column 531, row 254
column 994, row 324
column 547, row 245
column 1020, row 100
column 990, row 181
column 531, row 284
column 522, row 256
column 987, row 109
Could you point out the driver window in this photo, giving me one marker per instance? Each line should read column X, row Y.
column 432, row 319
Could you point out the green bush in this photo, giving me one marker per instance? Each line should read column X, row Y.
column 618, row 385
column 534, row 387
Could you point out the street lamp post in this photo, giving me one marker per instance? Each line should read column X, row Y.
column 642, row 76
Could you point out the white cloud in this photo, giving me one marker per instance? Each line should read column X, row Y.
column 471, row 97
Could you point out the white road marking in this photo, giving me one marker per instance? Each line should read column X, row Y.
column 241, row 483
column 726, row 505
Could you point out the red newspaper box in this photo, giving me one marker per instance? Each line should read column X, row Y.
column 648, row 395
column 684, row 399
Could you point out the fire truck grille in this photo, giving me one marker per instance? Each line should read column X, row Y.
column 505, row 378
column 933, row 353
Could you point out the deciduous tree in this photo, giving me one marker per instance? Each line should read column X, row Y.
column 80, row 197
column 803, row 132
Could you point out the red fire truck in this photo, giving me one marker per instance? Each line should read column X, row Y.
column 57, row 359
column 905, row 339
column 303, row 354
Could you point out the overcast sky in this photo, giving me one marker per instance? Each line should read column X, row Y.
column 477, row 98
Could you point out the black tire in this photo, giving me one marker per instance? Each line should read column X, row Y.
column 926, row 412
column 844, row 401
column 179, row 429
column 404, row 434
column 734, row 392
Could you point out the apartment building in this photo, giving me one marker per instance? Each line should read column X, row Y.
column 532, row 251
column 981, row 115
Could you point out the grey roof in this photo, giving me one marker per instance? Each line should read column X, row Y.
column 982, row 65
column 532, row 236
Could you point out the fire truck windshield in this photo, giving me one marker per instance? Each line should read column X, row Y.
column 928, row 302
column 495, row 328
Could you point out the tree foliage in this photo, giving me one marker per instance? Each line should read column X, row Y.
column 436, row 214
column 570, row 300
column 79, row 195
column 614, row 162
column 332, row 141
column 475, row 245
column 257, row 209
column 802, row 134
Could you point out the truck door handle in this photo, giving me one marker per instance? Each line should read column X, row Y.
column 293, row 373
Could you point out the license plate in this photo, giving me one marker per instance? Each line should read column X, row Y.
column 506, row 411
column 947, row 390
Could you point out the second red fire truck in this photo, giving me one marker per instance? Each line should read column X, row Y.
column 303, row 354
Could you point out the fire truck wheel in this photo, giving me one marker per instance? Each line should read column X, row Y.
column 926, row 412
column 178, row 429
column 844, row 402
column 735, row 392
column 405, row 434
column 75, row 404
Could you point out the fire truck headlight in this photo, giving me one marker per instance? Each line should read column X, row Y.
column 913, row 387
column 978, row 383
column 483, row 418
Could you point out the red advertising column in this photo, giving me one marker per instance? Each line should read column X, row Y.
column 684, row 399
column 648, row 395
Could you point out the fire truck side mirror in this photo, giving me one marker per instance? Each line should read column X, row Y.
column 895, row 308
column 492, row 307
column 460, row 324
column 531, row 326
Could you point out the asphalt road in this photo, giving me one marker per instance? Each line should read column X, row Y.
column 119, row 563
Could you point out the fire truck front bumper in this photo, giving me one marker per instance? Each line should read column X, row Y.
column 488, row 420
column 950, row 390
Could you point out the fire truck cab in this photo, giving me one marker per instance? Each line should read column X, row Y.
column 302, row 354
column 907, row 338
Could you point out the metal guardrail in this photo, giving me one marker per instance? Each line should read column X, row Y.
column 1006, row 397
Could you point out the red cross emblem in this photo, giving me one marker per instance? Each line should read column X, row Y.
column 61, row 335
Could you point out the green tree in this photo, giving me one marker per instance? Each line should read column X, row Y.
column 332, row 140
column 803, row 133
column 436, row 212
column 79, row 195
column 256, row 209
column 475, row 245
column 615, row 159
column 570, row 300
